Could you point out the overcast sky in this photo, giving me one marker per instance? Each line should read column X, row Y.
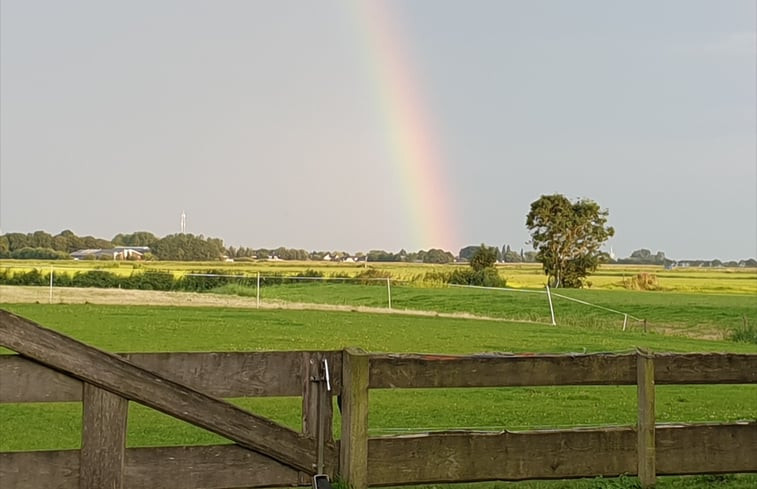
column 270, row 123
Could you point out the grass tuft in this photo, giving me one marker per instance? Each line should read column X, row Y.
column 745, row 334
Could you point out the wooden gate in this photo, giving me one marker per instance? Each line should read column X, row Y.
column 268, row 453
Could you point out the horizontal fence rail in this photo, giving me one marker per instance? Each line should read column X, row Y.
column 502, row 370
column 178, row 383
column 194, row 467
column 280, row 374
column 558, row 454
column 228, row 374
column 417, row 459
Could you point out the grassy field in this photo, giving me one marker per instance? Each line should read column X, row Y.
column 139, row 328
column 705, row 315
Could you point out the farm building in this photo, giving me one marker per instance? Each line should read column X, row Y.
column 117, row 253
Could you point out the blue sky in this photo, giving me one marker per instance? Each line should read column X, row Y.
column 261, row 120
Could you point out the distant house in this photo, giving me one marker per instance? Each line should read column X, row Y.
column 131, row 252
column 117, row 253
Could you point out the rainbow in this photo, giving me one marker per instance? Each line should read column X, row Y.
column 413, row 148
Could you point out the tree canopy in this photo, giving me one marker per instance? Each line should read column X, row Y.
column 567, row 237
column 484, row 257
column 188, row 247
column 139, row 238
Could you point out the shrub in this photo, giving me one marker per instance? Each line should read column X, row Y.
column 273, row 279
column 433, row 278
column 204, row 281
column 487, row 277
column 372, row 276
column 61, row 279
column 309, row 272
column 96, row 278
column 642, row 281
column 32, row 277
column 150, row 280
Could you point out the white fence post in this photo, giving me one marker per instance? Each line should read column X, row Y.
column 389, row 291
column 551, row 308
column 257, row 292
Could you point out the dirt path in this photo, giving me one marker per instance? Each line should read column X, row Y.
column 66, row 295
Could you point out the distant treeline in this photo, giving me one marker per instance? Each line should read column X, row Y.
column 645, row 257
column 44, row 246
column 188, row 247
column 41, row 245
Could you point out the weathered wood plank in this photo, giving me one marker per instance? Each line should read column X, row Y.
column 57, row 469
column 705, row 368
column 227, row 374
column 205, row 467
column 645, row 427
column 103, row 439
column 265, row 373
column 472, row 457
column 706, row 449
column 234, row 374
column 681, row 450
column 116, row 375
column 24, row 380
column 353, row 457
column 563, row 454
column 499, row 370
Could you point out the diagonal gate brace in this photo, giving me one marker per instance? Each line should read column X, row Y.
column 114, row 374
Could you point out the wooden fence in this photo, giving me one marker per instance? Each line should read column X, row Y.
column 53, row 368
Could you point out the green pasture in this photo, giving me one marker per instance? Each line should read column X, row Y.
column 709, row 315
column 141, row 328
column 164, row 329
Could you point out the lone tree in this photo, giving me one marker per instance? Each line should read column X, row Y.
column 567, row 237
column 484, row 257
column 481, row 271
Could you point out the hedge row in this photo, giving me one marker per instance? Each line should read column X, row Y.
column 156, row 280
column 209, row 280
column 150, row 280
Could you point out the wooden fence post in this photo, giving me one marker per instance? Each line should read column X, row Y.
column 646, row 423
column 353, row 455
column 103, row 439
